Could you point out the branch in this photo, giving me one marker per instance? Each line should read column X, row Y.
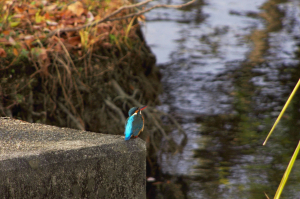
column 72, row 117
column 153, row 7
column 108, row 17
column 116, row 109
column 99, row 21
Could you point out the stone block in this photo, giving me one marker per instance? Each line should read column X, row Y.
column 42, row 161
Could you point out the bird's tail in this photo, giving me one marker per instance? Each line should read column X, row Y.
column 127, row 136
column 128, row 128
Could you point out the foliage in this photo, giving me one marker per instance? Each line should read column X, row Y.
column 64, row 79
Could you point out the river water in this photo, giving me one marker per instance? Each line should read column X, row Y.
column 228, row 67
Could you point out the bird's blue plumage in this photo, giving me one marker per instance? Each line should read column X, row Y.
column 128, row 127
column 134, row 124
column 132, row 111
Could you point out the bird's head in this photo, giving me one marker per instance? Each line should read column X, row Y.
column 134, row 110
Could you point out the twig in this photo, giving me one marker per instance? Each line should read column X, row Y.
column 30, row 105
column 116, row 109
column 97, row 22
column 174, row 121
column 152, row 140
column 108, row 17
column 2, row 110
column 72, row 117
column 65, row 65
column 157, row 125
column 68, row 55
column 37, row 114
column 153, row 7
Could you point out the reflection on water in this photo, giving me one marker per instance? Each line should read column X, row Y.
column 228, row 68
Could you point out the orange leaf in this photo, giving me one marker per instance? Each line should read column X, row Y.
column 28, row 40
column 2, row 52
column 141, row 18
column 31, row 11
column 18, row 9
column 16, row 53
column 47, row 16
column 6, row 32
column 74, row 41
column 76, row 8
column 65, row 15
column 52, row 27
column 23, row 45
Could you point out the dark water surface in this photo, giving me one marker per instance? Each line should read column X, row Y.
column 228, row 67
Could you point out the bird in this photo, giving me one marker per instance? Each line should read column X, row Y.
column 135, row 123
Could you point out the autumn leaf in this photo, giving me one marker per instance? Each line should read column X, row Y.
column 16, row 53
column 30, row 21
column 14, row 23
column 2, row 52
column 74, row 41
column 19, row 9
column 11, row 41
column 39, row 18
column 76, row 8
column 6, row 32
column 84, row 36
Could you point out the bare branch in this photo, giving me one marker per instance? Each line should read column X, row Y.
column 116, row 109
column 153, row 7
column 108, row 17
column 99, row 21
column 72, row 117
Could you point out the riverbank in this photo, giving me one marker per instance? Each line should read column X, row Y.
column 58, row 64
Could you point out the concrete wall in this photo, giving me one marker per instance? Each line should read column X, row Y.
column 41, row 161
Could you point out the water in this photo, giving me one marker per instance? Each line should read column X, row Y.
column 228, row 68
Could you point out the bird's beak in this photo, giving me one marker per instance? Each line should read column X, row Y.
column 142, row 108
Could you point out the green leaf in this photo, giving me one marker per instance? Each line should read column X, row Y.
column 14, row 24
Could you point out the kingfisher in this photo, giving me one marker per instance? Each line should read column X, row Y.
column 135, row 123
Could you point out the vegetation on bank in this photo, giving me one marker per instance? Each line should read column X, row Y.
column 65, row 79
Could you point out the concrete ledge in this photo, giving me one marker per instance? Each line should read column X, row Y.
column 41, row 161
